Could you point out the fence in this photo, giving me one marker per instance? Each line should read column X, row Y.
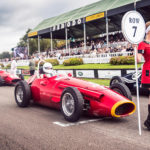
column 87, row 73
column 87, row 58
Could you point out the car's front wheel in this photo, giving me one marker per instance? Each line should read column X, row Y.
column 71, row 104
column 22, row 94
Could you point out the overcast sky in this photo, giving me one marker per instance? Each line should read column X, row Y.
column 16, row 16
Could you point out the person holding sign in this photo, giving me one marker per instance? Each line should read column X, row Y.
column 144, row 50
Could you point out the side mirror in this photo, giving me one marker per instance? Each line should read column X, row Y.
column 69, row 74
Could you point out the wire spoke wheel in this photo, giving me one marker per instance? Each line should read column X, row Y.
column 71, row 104
column 22, row 94
column 115, row 81
column 19, row 94
column 68, row 104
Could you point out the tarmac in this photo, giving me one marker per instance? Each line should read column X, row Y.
column 41, row 128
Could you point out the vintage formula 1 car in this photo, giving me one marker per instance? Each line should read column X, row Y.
column 74, row 96
column 130, row 81
column 7, row 78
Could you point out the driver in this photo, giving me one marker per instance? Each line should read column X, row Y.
column 48, row 70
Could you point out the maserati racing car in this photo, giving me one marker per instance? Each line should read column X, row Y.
column 130, row 81
column 7, row 78
column 74, row 96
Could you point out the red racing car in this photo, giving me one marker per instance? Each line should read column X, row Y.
column 9, row 79
column 74, row 96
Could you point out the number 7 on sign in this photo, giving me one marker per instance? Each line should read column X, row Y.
column 135, row 29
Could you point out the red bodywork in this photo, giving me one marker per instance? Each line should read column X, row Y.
column 101, row 100
column 8, row 78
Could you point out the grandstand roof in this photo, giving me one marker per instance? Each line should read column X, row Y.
column 80, row 13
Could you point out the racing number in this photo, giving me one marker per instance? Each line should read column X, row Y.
column 135, row 29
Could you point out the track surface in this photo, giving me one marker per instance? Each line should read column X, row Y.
column 32, row 128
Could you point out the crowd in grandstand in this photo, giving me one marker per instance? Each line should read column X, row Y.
column 93, row 47
column 96, row 46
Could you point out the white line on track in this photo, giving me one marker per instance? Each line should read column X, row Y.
column 77, row 123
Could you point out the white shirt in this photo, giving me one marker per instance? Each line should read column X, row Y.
column 13, row 67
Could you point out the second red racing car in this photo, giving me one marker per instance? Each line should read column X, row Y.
column 7, row 78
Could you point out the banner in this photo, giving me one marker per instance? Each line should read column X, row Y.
column 21, row 52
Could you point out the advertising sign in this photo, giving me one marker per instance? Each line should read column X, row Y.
column 85, row 73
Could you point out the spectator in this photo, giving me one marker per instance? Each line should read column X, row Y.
column 13, row 66
column 32, row 66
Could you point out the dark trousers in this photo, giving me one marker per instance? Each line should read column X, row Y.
column 32, row 72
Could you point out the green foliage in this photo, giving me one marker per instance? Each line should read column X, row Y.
column 5, row 55
column 44, row 43
column 36, row 63
column 122, row 60
column 73, row 62
column 2, row 65
column 54, row 62
column 8, row 66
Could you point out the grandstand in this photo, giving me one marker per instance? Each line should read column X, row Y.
column 93, row 27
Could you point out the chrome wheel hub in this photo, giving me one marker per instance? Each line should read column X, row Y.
column 19, row 94
column 68, row 104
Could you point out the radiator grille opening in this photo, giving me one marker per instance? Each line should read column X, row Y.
column 124, row 109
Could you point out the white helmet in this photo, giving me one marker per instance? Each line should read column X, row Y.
column 47, row 68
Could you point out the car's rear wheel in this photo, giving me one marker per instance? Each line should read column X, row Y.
column 122, row 89
column 1, row 81
column 22, row 94
column 116, row 79
column 71, row 104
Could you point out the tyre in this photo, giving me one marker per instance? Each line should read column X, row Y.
column 71, row 104
column 2, row 82
column 116, row 79
column 22, row 94
column 122, row 89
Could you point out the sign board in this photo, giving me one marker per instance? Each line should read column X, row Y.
column 32, row 34
column 108, row 74
column 65, row 71
column 67, row 24
column 133, row 27
column 85, row 73
column 94, row 17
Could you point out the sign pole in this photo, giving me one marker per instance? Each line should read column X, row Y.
column 137, row 91
column 133, row 28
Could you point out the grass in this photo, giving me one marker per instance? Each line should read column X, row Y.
column 26, row 77
column 97, row 66
column 98, row 81
column 91, row 66
column 23, row 67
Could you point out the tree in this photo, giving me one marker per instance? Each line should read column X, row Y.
column 44, row 43
column 5, row 55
